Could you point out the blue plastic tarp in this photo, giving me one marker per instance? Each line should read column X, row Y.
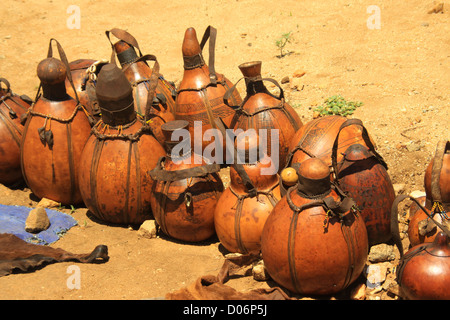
column 12, row 220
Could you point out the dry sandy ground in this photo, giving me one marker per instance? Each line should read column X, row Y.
column 400, row 72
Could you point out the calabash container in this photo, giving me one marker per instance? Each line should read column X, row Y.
column 317, row 139
column 186, row 189
column 244, row 206
column 12, row 108
column 118, row 155
column 84, row 76
column 56, row 130
column 262, row 110
column 160, row 102
column 315, row 241
column 423, row 272
column 200, row 93
column 437, row 198
column 364, row 178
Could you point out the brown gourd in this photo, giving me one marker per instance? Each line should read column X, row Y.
column 315, row 241
column 200, row 94
column 84, row 73
column 362, row 174
column 437, row 198
column 139, row 74
column 317, row 137
column 185, row 189
column 265, row 112
column 244, row 206
column 56, row 130
column 12, row 108
column 423, row 273
column 114, row 165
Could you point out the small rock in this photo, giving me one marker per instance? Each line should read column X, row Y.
column 47, row 203
column 259, row 271
column 299, row 73
column 375, row 275
column 148, row 229
column 8, row 37
column 359, row 292
column 285, row 80
column 37, row 221
column 381, row 252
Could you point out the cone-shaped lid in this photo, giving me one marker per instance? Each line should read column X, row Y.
column 125, row 53
column 115, row 96
column 192, row 52
column 314, row 177
column 182, row 138
column 191, row 46
column 251, row 69
column 168, row 129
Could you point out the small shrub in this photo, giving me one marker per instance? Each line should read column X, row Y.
column 337, row 105
column 282, row 42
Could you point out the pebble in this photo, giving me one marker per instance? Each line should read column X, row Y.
column 359, row 292
column 259, row 271
column 148, row 229
column 381, row 252
column 37, row 220
column 299, row 73
column 48, row 203
column 285, row 80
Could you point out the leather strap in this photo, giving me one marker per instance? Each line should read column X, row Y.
column 159, row 174
column 336, row 208
column 6, row 82
column 211, row 34
column 64, row 60
column 230, row 91
column 124, row 36
column 366, row 138
column 441, row 149
column 403, row 197
column 152, row 85
column 251, row 189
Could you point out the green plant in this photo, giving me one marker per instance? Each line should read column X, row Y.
column 337, row 105
column 282, row 42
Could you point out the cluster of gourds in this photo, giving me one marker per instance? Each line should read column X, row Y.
column 105, row 135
